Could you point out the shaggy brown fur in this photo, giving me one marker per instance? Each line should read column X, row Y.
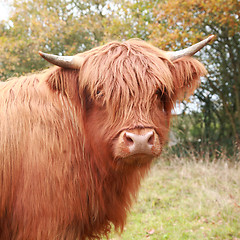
column 59, row 178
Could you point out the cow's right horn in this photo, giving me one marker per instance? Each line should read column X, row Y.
column 73, row 62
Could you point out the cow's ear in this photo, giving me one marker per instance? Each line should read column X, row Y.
column 186, row 73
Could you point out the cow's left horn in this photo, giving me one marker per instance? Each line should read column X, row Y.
column 190, row 51
column 73, row 62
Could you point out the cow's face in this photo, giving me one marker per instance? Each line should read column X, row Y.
column 128, row 94
column 127, row 91
column 138, row 134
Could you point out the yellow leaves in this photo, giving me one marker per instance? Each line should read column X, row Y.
column 184, row 21
column 61, row 27
column 57, row 26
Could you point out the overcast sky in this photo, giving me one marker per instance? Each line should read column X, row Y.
column 4, row 10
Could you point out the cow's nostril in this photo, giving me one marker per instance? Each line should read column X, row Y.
column 128, row 140
column 151, row 139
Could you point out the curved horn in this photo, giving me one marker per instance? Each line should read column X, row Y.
column 190, row 51
column 73, row 62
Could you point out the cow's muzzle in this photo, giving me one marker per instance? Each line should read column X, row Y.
column 137, row 144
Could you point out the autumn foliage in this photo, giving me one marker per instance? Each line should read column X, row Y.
column 68, row 27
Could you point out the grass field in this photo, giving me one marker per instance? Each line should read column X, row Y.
column 187, row 200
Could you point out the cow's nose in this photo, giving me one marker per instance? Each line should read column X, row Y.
column 139, row 143
column 136, row 142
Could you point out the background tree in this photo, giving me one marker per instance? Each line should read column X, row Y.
column 179, row 23
column 71, row 26
column 176, row 24
column 60, row 27
column 130, row 19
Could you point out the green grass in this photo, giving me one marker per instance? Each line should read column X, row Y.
column 187, row 200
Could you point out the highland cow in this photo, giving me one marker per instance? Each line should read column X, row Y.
column 76, row 139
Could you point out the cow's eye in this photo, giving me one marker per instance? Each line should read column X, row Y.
column 88, row 100
column 99, row 96
column 99, row 93
column 163, row 99
column 159, row 93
